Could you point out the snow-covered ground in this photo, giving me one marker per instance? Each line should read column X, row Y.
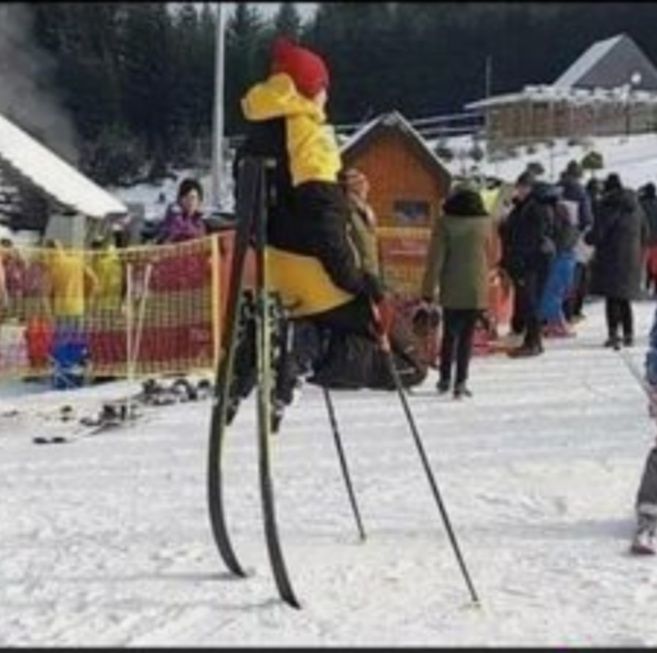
column 106, row 541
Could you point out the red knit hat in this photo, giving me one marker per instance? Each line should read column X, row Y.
column 307, row 70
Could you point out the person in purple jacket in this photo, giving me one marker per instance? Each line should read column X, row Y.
column 184, row 219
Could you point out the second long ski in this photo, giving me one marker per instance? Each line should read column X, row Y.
column 251, row 216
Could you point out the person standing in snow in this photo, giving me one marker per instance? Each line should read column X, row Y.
column 573, row 191
column 646, row 496
column 312, row 263
column 457, row 268
column 509, row 263
column 617, row 235
column 648, row 201
column 528, row 250
column 361, row 228
column 183, row 219
column 564, row 234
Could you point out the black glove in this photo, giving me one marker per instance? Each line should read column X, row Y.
column 373, row 287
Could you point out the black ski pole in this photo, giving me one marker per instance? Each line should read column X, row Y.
column 343, row 462
column 384, row 341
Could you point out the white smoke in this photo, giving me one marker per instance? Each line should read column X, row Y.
column 27, row 94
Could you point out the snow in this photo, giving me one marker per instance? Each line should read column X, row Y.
column 54, row 175
column 633, row 157
column 106, row 541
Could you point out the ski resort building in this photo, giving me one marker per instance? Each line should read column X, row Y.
column 610, row 89
column 41, row 192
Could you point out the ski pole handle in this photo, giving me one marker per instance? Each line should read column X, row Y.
column 381, row 327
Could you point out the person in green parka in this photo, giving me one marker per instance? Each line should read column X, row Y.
column 456, row 276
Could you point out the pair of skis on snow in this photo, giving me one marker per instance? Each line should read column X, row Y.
column 254, row 196
column 120, row 412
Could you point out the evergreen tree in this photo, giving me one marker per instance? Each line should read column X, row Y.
column 287, row 21
column 147, row 79
column 244, row 34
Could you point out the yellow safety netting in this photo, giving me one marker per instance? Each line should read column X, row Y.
column 113, row 312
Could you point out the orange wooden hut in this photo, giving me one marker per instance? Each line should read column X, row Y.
column 408, row 185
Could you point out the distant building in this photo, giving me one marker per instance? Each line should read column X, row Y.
column 40, row 191
column 610, row 89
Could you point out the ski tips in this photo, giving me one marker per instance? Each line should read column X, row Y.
column 292, row 602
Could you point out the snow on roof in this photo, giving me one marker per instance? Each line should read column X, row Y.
column 391, row 119
column 53, row 175
column 358, row 134
column 587, row 61
column 579, row 96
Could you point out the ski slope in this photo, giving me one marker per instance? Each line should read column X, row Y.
column 106, row 541
column 633, row 157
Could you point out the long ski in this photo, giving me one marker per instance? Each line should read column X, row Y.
column 266, row 320
column 246, row 193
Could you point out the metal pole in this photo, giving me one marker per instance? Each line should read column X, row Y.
column 343, row 462
column 218, row 117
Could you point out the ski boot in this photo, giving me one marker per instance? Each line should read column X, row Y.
column 204, row 389
column 461, row 390
column 644, row 542
column 184, row 390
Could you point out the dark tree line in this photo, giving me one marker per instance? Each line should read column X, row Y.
column 139, row 78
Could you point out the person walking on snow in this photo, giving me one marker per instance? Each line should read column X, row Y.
column 456, row 274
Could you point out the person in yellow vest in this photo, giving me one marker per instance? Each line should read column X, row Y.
column 72, row 281
column 312, row 263
column 107, row 267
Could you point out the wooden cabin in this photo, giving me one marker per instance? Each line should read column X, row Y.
column 610, row 89
column 408, row 184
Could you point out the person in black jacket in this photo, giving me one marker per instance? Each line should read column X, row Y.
column 528, row 251
column 573, row 191
column 509, row 263
column 617, row 235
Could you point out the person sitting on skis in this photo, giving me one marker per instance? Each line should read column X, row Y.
column 312, row 264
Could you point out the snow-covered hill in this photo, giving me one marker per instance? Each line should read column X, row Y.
column 106, row 542
column 633, row 157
